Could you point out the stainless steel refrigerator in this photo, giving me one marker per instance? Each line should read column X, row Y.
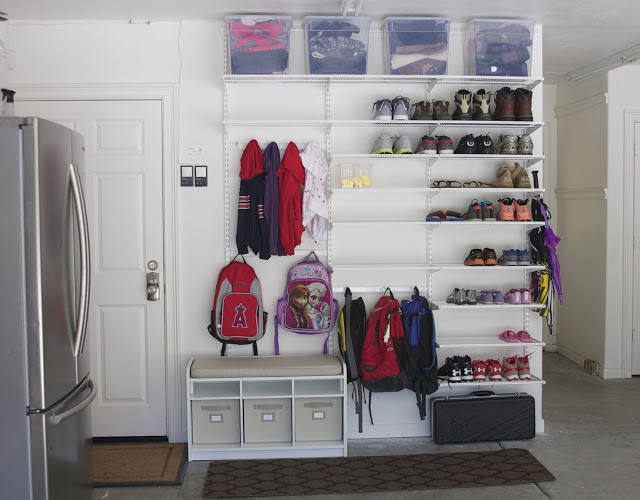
column 44, row 300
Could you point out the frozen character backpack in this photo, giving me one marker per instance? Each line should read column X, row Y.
column 308, row 306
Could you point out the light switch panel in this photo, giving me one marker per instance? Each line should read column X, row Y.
column 186, row 175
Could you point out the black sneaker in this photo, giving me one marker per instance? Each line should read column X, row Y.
column 466, row 146
column 450, row 370
column 484, row 145
column 466, row 367
column 444, row 145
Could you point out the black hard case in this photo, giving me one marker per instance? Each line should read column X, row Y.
column 483, row 416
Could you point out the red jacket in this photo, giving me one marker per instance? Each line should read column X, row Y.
column 291, row 174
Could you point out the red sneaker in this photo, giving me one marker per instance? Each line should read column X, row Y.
column 522, row 210
column 510, row 368
column 524, row 372
column 495, row 369
column 479, row 370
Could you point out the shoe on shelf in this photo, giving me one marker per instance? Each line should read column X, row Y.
column 441, row 110
column 422, row 111
column 450, row 370
column 400, row 107
column 484, row 145
column 472, row 297
column 486, row 297
column 522, row 106
column 494, row 369
column 510, row 368
column 479, row 369
column 513, row 296
column 524, row 146
column 444, row 145
column 462, row 103
column 382, row 109
column 507, row 145
column 525, row 295
column 523, row 257
column 402, row 145
column 520, row 177
column 522, row 363
column 506, row 212
column 474, row 212
column 504, row 101
column 488, row 213
column 489, row 256
column 498, row 298
column 383, row 145
column 475, row 258
column 466, row 146
column 451, row 299
column 508, row 258
column 427, row 146
column 481, row 105
column 466, row 368
column 522, row 210
column 504, row 176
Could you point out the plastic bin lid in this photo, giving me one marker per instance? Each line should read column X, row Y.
column 251, row 20
column 505, row 22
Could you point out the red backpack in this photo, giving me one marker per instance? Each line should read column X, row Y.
column 237, row 316
column 383, row 356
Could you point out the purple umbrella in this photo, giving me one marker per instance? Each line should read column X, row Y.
column 551, row 242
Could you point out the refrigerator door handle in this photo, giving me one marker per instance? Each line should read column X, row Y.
column 85, row 278
column 56, row 418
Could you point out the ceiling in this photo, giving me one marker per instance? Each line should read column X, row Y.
column 576, row 33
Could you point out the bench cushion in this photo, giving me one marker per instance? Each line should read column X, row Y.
column 266, row 366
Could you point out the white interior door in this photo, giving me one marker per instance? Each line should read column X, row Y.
column 635, row 360
column 123, row 142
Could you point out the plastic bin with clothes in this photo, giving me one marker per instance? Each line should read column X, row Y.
column 259, row 45
column 416, row 45
column 498, row 47
column 337, row 44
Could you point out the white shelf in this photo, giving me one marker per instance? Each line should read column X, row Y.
column 457, row 267
column 482, row 341
column 445, row 385
column 440, row 223
column 386, row 266
column 442, row 304
column 529, row 160
column 436, row 191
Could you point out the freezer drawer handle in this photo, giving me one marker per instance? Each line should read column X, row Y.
column 56, row 419
column 83, row 234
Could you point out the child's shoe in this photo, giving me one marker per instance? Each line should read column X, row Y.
column 513, row 296
column 479, row 370
column 510, row 368
column 494, row 369
column 524, row 372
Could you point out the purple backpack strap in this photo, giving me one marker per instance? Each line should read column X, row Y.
column 279, row 314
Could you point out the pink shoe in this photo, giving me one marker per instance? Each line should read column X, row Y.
column 523, row 336
column 525, row 295
column 513, row 296
column 508, row 336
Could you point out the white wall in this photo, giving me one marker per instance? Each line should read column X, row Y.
column 581, row 179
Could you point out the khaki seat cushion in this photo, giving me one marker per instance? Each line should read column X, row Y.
column 266, row 366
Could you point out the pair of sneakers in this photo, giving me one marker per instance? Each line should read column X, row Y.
column 461, row 297
column 392, row 109
column 480, row 211
column 513, row 257
column 511, row 209
column 512, row 368
column 518, row 296
column 514, row 145
column 435, row 110
column 485, row 257
column 385, row 144
column 441, row 144
column 457, row 369
column 470, row 145
column 490, row 296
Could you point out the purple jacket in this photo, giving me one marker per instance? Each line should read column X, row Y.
column 271, row 161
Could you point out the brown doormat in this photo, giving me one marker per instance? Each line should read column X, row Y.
column 149, row 464
column 315, row 476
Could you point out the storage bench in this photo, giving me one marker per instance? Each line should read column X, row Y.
column 266, row 407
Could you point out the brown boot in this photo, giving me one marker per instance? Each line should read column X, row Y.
column 504, row 177
column 504, row 104
column 422, row 111
column 520, row 177
column 523, row 105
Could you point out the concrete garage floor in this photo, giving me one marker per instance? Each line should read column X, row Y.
column 591, row 445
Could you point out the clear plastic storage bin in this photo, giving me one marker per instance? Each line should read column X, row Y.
column 498, row 47
column 416, row 45
column 259, row 45
column 337, row 45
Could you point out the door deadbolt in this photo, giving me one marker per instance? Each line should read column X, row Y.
column 153, row 286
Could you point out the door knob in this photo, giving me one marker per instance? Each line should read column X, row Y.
column 153, row 288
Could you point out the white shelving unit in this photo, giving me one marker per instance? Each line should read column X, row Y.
column 334, row 114
column 217, row 396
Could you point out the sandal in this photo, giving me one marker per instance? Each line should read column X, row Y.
column 452, row 215
column 438, row 215
column 523, row 336
column 446, row 184
column 508, row 336
column 476, row 184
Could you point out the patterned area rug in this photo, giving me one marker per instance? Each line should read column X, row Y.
column 314, row 476
column 149, row 464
